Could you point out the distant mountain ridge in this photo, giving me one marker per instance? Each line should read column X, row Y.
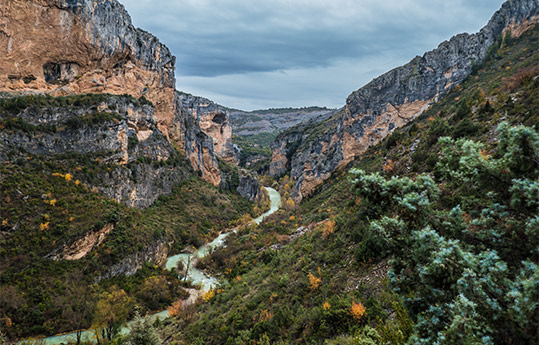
column 271, row 120
column 394, row 99
column 243, row 137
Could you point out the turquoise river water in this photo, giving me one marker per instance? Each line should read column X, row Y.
column 198, row 277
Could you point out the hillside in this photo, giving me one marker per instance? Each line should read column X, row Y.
column 396, row 98
column 452, row 221
column 105, row 172
column 90, row 188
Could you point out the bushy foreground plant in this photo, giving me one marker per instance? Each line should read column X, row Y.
column 464, row 242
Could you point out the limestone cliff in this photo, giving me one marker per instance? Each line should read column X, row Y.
column 199, row 145
column 214, row 121
column 155, row 253
column 392, row 100
column 90, row 46
column 214, row 124
column 402, row 94
column 117, row 131
column 310, row 152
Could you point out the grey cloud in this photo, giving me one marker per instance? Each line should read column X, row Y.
column 248, row 43
column 212, row 38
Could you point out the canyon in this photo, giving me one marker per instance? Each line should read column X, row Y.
column 110, row 175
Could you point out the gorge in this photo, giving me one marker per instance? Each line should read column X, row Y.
column 406, row 216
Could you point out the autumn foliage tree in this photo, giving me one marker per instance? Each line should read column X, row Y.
column 328, row 227
column 314, row 281
column 112, row 312
column 357, row 311
column 175, row 308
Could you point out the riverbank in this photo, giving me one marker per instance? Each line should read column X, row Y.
column 196, row 276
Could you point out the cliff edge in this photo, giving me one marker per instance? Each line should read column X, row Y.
column 391, row 101
column 63, row 47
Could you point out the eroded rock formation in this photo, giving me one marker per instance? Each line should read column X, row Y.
column 78, row 249
column 214, row 121
column 90, row 46
column 112, row 129
column 156, row 253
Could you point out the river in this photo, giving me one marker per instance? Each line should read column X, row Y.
column 195, row 275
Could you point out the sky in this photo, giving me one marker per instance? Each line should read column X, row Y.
column 258, row 54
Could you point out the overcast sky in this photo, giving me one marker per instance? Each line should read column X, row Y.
column 254, row 54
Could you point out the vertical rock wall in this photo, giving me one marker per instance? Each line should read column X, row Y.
column 65, row 47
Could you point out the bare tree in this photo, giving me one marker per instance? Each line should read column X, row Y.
column 77, row 303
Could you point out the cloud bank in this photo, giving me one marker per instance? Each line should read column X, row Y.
column 252, row 54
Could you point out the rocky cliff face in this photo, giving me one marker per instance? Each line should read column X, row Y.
column 84, row 46
column 248, row 186
column 199, row 146
column 242, row 181
column 214, row 121
column 209, row 122
column 155, row 253
column 402, row 94
column 90, row 46
column 310, row 152
column 396, row 98
column 117, row 131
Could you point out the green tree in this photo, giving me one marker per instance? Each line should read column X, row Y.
column 3, row 338
column 143, row 332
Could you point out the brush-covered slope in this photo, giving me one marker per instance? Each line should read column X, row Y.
column 93, row 194
column 453, row 221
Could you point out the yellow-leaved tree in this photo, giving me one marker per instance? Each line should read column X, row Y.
column 357, row 310
column 112, row 312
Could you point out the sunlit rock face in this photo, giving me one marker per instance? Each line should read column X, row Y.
column 64, row 47
column 214, row 123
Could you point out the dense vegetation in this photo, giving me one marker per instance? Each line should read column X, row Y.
column 14, row 105
column 464, row 241
column 435, row 244
column 47, row 203
column 255, row 152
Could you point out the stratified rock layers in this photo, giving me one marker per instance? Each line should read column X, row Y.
column 214, row 121
column 90, row 46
